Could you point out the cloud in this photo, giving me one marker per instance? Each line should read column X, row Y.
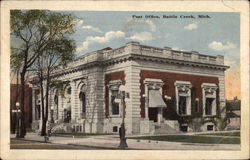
column 151, row 25
column 142, row 36
column 219, row 46
column 191, row 26
column 111, row 35
column 91, row 28
column 167, row 35
column 78, row 22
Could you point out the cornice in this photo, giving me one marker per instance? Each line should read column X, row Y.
column 180, row 62
column 134, row 57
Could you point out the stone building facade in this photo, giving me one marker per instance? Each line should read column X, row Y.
column 168, row 91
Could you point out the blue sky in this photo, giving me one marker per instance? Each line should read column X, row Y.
column 217, row 35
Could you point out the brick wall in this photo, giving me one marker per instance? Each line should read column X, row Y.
column 169, row 87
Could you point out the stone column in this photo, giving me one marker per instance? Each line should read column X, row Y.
column 33, row 104
column 222, row 92
column 74, row 110
column 132, row 110
column 60, row 107
column 159, row 115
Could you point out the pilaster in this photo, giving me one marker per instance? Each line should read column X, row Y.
column 74, row 110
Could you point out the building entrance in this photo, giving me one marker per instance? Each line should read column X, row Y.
column 152, row 114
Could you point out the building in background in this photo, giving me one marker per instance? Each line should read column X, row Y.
column 233, row 113
column 168, row 91
column 14, row 98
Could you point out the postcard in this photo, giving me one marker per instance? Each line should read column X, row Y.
column 124, row 80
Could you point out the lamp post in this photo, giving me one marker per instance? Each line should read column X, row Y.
column 18, row 120
column 122, row 131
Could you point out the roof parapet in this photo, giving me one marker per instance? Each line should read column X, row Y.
column 220, row 59
column 167, row 48
column 132, row 46
column 194, row 52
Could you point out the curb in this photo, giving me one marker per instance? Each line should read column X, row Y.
column 31, row 140
column 101, row 147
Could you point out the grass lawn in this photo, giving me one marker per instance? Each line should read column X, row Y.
column 235, row 134
column 192, row 139
column 78, row 134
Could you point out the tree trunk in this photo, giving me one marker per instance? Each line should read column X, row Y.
column 22, row 113
column 44, row 122
column 45, row 117
column 43, row 131
column 47, row 99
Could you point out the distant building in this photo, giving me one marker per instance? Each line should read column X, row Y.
column 168, row 91
column 233, row 114
column 14, row 98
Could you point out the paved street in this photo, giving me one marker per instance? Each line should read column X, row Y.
column 112, row 142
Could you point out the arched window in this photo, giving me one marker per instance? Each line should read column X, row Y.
column 56, row 99
column 82, row 98
column 68, row 91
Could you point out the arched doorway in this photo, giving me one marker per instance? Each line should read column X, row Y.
column 67, row 108
column 55, row 111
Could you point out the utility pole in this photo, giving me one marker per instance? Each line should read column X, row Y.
column 122, row 131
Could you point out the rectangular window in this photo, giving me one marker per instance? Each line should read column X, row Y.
column 209, row 103
column 182, row 105
column 114, row 104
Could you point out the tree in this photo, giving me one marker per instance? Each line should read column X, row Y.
column 32, row 32
column 59, row 53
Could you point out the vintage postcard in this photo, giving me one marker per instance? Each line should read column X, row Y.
column 124, row 80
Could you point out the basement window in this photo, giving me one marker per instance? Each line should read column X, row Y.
column 115, row 129
column 210, row 127
column 184, row 128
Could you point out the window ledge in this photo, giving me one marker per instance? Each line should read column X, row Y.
column 115, row 116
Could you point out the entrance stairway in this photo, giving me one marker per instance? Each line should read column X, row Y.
column 165, row 128
column 61, row 128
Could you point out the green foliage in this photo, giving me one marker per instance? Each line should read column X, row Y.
column 192, row 139
column 39, row 42
column 221, row 123
column 35, row 33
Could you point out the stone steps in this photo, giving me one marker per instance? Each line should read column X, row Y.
column 165, row 128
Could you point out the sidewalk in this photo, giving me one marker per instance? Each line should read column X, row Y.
column 113, row 141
